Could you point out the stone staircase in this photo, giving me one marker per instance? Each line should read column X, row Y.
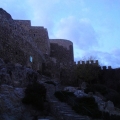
column 60, row 110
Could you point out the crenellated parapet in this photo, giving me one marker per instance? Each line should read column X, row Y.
column 92, row 62
column 106, row 67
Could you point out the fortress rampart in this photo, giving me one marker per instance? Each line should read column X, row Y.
column 92, row 62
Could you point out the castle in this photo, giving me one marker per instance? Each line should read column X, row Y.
column 30, row 45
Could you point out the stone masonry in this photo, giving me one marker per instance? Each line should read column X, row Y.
column 28, row 45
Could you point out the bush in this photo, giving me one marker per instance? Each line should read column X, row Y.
column 83, row 106
column 107, row 116
column 35, row 95
column 51, row 82
column 47, row 73
column 113, row 96
column 87, row 106
column 40, row 72
column 97, row 88
column 63, row 96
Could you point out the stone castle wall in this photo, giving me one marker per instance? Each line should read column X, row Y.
column 16, row 44
column 40, row 36
column 92, row 62
column 62, row 50
column 29, row 45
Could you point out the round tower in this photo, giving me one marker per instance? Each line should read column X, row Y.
column 62, row 50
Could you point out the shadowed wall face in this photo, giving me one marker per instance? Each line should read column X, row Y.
column 40, row 37
column 62, row 50
column 16, row 45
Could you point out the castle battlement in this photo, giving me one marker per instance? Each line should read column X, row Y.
column 106, row 67
column 92, row 62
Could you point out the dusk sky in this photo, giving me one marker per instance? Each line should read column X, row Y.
column 92, row 25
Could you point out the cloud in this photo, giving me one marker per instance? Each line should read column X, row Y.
column 43, row 13
column 80, row 32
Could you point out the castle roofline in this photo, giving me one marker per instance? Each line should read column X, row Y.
column 64, row 40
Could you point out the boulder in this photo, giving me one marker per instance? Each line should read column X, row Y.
column 16, row 74
column 109, row 107
column 83, row 86
column 80, row 93
column 11, row 106
column 1, row 62
column 100, row 102
column 70, row 89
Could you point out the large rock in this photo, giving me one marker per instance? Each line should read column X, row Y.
column 70, row 89
column 80, row 93
column 11, row 107
column 110, row 107
column 100, row 102
column 83, row 86
column 16, row 74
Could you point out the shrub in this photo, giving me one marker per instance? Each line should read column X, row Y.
column 35, row 95
column 113, row 96
column 63, row 96
column 97, row 88
column 87, row 106
column 51, row 82
column 107, row 116
column 47, row 73
column 83, row 106
column 40, row 72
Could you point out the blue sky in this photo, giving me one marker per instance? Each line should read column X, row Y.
column 92, row 25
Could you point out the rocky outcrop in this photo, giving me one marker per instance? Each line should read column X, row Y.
column 16, row 75
column 11, row 107
column 13, row 80
column 103, row 106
